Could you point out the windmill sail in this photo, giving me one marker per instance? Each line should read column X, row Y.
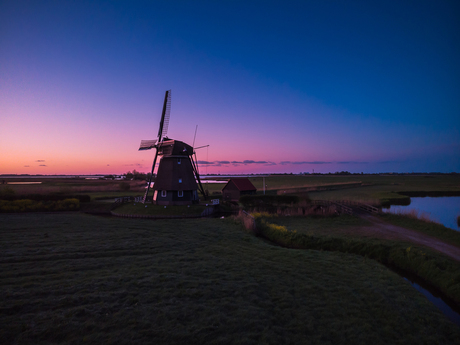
column 147, row 144
column 164, row 123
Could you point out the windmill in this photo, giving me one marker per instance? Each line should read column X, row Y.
column 177, row 175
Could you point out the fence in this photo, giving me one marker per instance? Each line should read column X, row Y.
column 248, row 221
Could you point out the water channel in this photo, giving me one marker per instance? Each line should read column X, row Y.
column 444, row 210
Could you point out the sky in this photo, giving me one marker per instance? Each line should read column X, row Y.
column 273, row 86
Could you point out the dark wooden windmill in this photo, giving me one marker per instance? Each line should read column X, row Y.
column 177, row 175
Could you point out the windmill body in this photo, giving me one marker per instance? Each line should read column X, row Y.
column 177, row 175
column 175, row 183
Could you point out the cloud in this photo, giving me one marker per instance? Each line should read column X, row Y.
column 303, row 162
column 254, row 162
column 26, row 166
column 235, row 163
column 352, row 162
column 40, row 160
column 108, row 165
column 42, row 165
column 133, row 165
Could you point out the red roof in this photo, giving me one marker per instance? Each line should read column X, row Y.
column 243, row 184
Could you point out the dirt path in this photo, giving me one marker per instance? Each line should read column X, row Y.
column 388, row 231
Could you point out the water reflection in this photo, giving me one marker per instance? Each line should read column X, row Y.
column 439, row 303
column 443, row 210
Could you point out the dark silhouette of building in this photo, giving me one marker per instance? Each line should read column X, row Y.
column 237, row 187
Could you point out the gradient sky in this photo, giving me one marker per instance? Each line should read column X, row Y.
column 274, row 86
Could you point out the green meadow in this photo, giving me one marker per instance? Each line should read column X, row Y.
column 72, row 278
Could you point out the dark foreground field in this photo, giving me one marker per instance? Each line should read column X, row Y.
column 74, row 278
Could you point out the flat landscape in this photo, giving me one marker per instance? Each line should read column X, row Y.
column 74, row 278
column 71, row 277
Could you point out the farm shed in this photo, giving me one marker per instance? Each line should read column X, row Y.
column 237, row 187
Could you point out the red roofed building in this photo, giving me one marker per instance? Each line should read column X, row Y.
column 236, row 187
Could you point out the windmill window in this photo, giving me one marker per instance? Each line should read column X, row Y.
column 180, row 193
column 163, row 193
column 180, row 180
column 178, row 161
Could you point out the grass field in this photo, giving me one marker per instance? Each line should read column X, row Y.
column 75, row 278
column 385, row 189
column 158, row 210
column 377, row 188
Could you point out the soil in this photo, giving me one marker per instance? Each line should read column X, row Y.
column 381, row 229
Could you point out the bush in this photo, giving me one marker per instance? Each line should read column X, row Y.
column 7, row 193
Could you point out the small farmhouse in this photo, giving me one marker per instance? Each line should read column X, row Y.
column 237, row 187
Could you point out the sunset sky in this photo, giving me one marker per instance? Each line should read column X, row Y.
column 274, row 86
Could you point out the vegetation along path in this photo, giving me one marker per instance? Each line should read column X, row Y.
column 384, row 230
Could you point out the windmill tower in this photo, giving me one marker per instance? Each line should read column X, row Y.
column 177, row 175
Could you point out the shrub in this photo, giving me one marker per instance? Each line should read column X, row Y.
column 7, row 193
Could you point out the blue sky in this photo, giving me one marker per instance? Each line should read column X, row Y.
column 273, row 86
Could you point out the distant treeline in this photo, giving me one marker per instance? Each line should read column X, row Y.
column 423, row 194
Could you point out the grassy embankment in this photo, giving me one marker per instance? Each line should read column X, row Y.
column 332, row 234
column 74, row 278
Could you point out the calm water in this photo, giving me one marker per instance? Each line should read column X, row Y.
column 443, row 210
column 453, row 315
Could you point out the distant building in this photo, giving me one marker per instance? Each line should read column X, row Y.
column 237, row 187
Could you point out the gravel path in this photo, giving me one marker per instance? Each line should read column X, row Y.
column 388, row 231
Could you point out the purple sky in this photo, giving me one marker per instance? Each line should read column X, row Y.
column 274, row 86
